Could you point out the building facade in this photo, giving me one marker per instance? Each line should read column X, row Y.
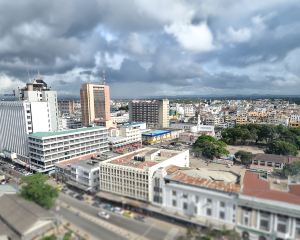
column 38, row 91
column 95, row 104
column 155, row 113
column 131, row 174
column 17, row 120
column 49, row 148
column 205, row 197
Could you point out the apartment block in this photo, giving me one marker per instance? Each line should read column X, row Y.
column 155, row 113
column 49, row 148
column 66, row 107
column 131, row 174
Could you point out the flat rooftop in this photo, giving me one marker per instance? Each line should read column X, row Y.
column 156, row 133
column 143, row 158
column 64, row 132
column 203, row 177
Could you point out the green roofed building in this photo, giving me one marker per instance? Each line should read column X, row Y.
column 49, row 148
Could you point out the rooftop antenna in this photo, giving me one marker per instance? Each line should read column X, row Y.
column 103, row 77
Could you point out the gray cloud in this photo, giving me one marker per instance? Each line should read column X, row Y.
column 153, row 47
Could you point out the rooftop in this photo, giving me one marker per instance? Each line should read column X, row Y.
column 275, row 158
column 65, row 132
column 143, row 158
column 214, row 179
column 156, row 133
column 255, row 186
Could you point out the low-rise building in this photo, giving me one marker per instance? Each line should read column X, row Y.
column 49, row 148
column 206, row 197
column 268, row 162
column 265, row 213
column 131, row 174
column 21, row 219
column 159, row 136
column 125, row 138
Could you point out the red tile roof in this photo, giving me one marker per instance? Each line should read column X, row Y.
column 254, row 186
column 176, row 174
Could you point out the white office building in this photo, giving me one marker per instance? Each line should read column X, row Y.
column 38, row 91
column 17, row 120
column 48, row 148
column 131, row 174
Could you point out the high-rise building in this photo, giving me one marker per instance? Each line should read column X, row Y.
column 95, row 104
column 155, row 112
column 38, row 91
column 33, row 111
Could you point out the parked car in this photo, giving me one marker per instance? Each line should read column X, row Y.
column 118, row 210
column 104, row 215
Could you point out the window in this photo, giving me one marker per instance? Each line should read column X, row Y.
column 208, row 212
column 297, row 231
column 222, row 215
column 174, row 193
column 264, row 223
column 185, row 196
column 222, row 204
column 282, row 223
column 174, row 203
column 208, row 200
column 195, row 210
column 246, row 214
column 185, row 206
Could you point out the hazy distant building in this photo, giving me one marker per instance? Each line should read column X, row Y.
column 95, row 104
column 66, row 106
column 155, row 112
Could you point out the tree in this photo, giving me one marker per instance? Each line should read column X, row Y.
column 282, row 148
column 209, row 147
column 35, row 188
column 244, row 156
column 210, row 234
column 291, row 169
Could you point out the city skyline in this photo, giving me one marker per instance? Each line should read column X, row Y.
column 185, row 48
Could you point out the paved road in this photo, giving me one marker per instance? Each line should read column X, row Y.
column 143, row 229
column 94, row 229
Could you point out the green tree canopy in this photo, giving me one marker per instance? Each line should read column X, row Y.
column 244, row 156
column 209, row 147
column 281, row 148
column 36, row 189
column 291, row 169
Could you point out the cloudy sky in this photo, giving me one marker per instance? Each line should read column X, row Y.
column 153, row 48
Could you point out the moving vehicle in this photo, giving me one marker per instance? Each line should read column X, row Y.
column 104, row 215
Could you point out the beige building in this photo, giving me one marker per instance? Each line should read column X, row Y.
column 155, row 112
column 130, row 175
column 95, row 104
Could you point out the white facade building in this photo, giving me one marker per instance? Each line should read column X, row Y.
column 193, row 193
column 85, row 175
column 38, row 91
column 131, row 174
column 19, row 118
column 48, row 148
column 125, row 138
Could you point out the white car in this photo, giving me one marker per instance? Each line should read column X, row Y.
column 104, row 215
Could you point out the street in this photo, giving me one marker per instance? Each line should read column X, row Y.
column 94, row 229
column 140, row 228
